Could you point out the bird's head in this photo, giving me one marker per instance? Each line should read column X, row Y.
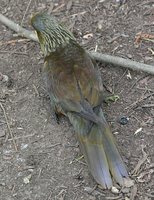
column 51, row 34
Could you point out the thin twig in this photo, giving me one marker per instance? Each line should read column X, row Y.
column 21, row 137
column 150, row 194
column 14, row 41
column 49, row 197
column 15, row 52
column 148, row 105
column 142, row 98
column 137, row 82
column 8, row 126
column 54, row 145
column 114, row 198
column 140, row 163
column 147, row 89
column 133, row 192
column 25, row 12
column 126, row 63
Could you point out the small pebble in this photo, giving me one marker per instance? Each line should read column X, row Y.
column 24, row 146
column 2, row 184
column 114, row 190
column 27, row 179
column 1, row 169
column 129, row 56
column 88, row 190
column 2, row 133
column 123, row 120
column 4, row 78
column 125, row 190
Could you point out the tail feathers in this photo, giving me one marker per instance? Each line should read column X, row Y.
column 116, row 165
column 99, row 150
column 97, row 164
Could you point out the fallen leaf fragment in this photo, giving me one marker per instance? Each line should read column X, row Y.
column 138, row 130
column 87, row 36
column 143, row 36
column 27, row 179
column 128, row 182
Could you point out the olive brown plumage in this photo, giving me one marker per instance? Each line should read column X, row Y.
column 75, row 88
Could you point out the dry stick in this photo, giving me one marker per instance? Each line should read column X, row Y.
column 123, row 62
column 8, row 126
column 148, row 105
column 17, row 28
column 97, row 56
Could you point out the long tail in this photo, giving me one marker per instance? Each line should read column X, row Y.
column 97, row 145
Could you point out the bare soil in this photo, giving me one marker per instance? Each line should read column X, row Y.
column 47, row 165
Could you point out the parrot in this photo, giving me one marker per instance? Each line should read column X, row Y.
column 74, row 84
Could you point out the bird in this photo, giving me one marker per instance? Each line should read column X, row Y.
column 74, row 84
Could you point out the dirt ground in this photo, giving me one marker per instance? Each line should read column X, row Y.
column 46, row 164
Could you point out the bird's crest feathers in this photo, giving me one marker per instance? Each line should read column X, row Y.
column 51, row 34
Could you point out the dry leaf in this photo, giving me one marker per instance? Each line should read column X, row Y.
column 87, row 36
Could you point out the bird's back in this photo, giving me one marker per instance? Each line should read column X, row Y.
column 70, row 68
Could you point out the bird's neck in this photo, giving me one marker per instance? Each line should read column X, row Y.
column 70, row 53
column 55, row 41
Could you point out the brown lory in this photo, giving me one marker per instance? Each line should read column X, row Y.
column 75, row 88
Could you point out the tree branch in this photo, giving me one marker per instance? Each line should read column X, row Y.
column 114, row 60
column 126, row 63
column 18, row 29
